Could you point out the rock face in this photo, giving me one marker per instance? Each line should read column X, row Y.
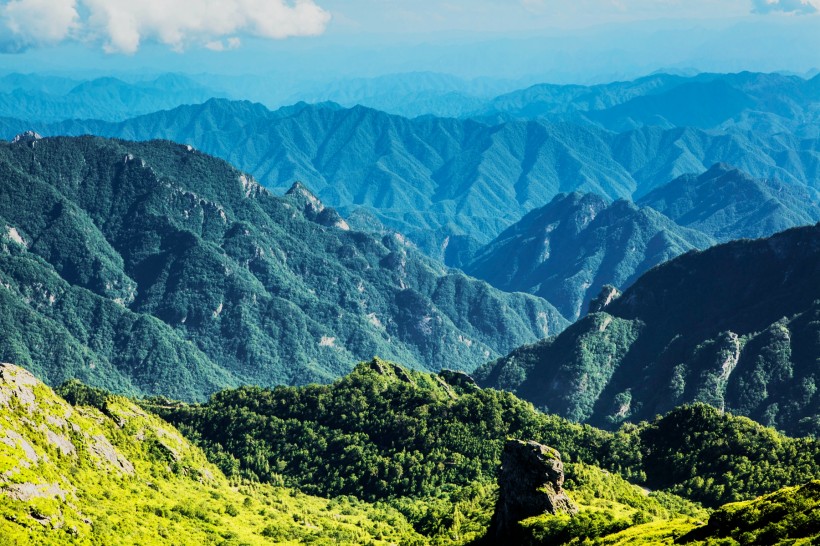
column 608, row 293
column 28, row 137
column 531, row 483
column 459, row 379
column 314, row 209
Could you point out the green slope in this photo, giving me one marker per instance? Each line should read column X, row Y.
column 166, row 271
column 429, row 445
column 734, row 326
column 384, row 431
column 422, row 448
column 103, row 471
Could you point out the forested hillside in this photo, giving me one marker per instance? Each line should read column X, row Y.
column 163, row 270
column 430, row 446
column 85, row 465
column 734, row 326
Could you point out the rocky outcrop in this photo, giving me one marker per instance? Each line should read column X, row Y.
column 604, row 298
column 383, row 367
column 531, row 484
column 28, row 137
column 459, row 379
column 314, row 210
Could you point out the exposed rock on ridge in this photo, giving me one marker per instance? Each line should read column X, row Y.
column 531, row 482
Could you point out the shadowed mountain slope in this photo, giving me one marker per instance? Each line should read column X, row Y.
column 735, row 326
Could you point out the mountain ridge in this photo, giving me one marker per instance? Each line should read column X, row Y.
column 569, row 249
column 229, row 282
column 434, row 178
column 727, row 203
column 731, row 326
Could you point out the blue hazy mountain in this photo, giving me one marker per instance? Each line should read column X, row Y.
column 409, row 94
column 569, row 249
column 50, row 98
column 744, row 101
column 441, row 179
column 729, row 204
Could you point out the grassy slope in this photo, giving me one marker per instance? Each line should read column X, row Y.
column 126, row 477
column 104, row 471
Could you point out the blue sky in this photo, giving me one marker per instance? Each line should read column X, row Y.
column 496, row 38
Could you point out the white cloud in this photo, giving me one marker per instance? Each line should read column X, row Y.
column 30, row 22
column 123, row 25
column 786, row 6
column 224, row 45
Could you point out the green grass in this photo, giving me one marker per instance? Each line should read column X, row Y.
column 172, row 495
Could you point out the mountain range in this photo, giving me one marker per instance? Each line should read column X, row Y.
column 162, row 270
column 738, row 102
column 439, row 179
column 569, row 249
column 673, row 219
column 52, row 98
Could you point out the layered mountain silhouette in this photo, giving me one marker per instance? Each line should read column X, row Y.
column 50, row 98
column 735, row 326
column 153, row 268
column 441, row 180
column 745, row 101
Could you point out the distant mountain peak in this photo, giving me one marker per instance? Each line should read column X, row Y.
column 729, row 203
column 567, row 250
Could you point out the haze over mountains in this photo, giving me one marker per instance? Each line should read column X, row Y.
column 466, row 273
column 439, row 180
column 50, row 98
column 533, row 195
